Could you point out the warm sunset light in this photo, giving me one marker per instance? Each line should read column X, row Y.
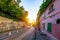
column 31, row 18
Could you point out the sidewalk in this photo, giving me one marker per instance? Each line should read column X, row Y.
column 49, row 35
column 42, row 36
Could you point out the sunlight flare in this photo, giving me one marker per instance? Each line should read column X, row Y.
column 31, row 18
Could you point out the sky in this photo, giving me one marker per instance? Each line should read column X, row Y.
column 32, row 6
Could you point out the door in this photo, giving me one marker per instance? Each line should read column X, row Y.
column 49, row 29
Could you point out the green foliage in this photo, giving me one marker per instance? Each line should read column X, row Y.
column 18, row 1
column 43, row 6
column 10, row 9
column 42, row 9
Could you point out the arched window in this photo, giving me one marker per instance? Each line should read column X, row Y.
column 58, row 21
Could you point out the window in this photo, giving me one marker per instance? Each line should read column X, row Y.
column 58, row 21
column 51, row 8
column 44, row 15
column 43, row 26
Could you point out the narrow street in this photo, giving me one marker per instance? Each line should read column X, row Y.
column 28, row 35
column 25, row 34
column 33, row 34
column 29, row 19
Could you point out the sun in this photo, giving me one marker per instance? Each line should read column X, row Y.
column 31, row 18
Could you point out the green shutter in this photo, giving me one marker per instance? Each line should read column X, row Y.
column 49, row 27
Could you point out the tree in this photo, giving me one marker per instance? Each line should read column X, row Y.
column 18, row 1
column 11, row 8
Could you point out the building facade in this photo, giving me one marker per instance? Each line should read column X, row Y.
column 50, row 19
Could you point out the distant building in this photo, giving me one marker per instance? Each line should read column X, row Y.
column 50, row 19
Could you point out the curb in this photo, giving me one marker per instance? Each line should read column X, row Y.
column 51, row 36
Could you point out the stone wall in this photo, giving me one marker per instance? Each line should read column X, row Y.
column 8, row 24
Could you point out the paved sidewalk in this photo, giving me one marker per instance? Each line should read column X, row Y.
column 51, row 36
column 41, row 36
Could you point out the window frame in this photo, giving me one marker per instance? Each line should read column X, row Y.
column 51, row 9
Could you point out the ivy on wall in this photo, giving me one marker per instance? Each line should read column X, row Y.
column 42, row 9
column 44, row 6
